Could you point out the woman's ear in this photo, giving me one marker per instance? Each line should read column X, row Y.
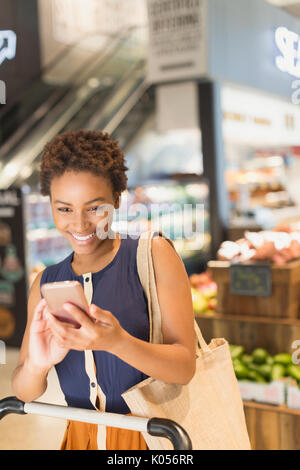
column 117, row 200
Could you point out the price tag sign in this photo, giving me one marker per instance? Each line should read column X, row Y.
column 251, row 279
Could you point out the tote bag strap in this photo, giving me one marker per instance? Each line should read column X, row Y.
column 147, row 279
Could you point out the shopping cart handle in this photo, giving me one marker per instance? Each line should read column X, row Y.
column 173, row 431
column 154, row 426
column 11, row 405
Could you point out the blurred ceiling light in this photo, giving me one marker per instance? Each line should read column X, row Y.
column 11, row 169
column 94, row 82
column 26, row 172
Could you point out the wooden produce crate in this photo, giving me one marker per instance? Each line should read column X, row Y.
column 274, row 334
column 272, row 427
column 283, row 300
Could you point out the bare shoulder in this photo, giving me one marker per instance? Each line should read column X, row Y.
column 166, row 259
column 160, row 245
column 174, row 295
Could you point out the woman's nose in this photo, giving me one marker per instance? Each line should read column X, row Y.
column 79, row 223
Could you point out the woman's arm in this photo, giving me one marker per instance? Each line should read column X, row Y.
column 28, row 381
column 172, row 362
column 175, row 360
column 39, row 351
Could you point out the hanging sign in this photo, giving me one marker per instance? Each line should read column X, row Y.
column 176, row 39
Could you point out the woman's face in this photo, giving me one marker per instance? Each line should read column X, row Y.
column 76, row 200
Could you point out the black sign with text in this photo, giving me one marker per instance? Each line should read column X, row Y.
column 13, row 287
column 19, row 46
column 251, row 279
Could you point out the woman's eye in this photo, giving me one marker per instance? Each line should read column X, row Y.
column 66, row 209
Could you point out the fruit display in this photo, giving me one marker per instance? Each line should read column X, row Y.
column 261, row 367
column 278, row 247
column 204, row 293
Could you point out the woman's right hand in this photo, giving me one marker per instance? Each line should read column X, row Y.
column 43, row 350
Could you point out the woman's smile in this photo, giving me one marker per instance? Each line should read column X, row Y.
column 83, row 239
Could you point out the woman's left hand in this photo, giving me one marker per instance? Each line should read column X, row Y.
column 99, row 331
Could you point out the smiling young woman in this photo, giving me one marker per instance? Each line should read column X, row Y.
column 77, row 217
column 84, row 174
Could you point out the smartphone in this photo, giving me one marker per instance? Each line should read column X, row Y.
column 57, row 293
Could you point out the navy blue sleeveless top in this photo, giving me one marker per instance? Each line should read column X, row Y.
column 116, row 288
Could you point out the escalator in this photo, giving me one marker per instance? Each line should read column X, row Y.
column 108, row 88
column 44, row 91
column 35, row 96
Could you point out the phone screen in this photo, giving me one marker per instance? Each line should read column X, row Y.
column 57, row 293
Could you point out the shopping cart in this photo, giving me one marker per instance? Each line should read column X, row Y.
column 154, row 426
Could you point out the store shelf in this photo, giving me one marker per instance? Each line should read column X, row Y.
column 272, row 427
column 273, row 334
column 251, row 319
column 277, row 408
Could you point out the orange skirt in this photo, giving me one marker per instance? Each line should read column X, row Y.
column 83, row 436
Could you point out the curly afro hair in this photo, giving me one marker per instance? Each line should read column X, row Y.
column 83, row 150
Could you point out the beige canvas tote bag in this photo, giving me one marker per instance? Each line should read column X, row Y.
column 209, row 407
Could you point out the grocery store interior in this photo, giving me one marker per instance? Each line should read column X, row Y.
column 204, row 99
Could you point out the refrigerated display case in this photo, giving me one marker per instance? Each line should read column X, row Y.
column 260, row 195
column 179, row 207
column 261, row 181
column 44, row 244
column 260, row 134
